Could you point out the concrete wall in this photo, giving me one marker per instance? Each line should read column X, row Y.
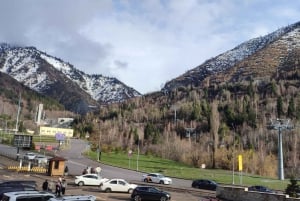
column 232, row 193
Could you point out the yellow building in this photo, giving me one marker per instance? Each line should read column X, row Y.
column 51, row 131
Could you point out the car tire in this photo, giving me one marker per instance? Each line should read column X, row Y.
column 130, row 190
column 137, row 198
column 108, row 190
column 163, row 198
column 80, row 183
column 161, row 182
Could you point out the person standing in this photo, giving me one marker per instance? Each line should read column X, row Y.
column 63, row 186
column 45, row 185
column 58, row 189
column 66, row 171
column 98, row 170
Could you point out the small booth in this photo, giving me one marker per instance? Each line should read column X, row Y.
column 56, row 166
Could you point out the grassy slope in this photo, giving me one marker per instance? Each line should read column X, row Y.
column 174, row 169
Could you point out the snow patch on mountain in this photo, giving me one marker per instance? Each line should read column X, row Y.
column 230, row 58
column 24, row 65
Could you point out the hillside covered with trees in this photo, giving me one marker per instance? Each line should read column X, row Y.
column 210, row 126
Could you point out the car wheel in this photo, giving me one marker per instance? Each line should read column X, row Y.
column 108, row 190
column 161, row 182
column 130, row 190
column 163, row 199
column 80, row 183
column 137, row 198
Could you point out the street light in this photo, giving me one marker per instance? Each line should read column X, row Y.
column 280, row 124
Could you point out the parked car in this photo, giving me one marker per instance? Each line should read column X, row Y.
column 15, row 187
column 41, row 159
column 27, row 195
column 31, row 183
column 74, row 197
column 29, row 156
column 89, row 180
column 117, row 185
column 204, row 184
column 156, row 178
column 149, row 193
column 260, row 189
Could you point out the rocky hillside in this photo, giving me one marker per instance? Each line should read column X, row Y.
column 259, row 59
column 60, row 80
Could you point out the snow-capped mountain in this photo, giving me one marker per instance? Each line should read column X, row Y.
column 284, row 40
column 53, row 77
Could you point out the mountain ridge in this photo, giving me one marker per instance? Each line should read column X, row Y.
column 208, row 71
column 47, row 74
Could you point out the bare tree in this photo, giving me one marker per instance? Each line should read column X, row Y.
column 214, row 127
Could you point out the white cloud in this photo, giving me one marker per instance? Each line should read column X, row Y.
column 142, row 43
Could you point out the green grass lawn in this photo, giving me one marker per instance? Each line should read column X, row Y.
column 148, row 163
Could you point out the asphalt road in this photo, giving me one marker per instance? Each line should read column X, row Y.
column 77, row 162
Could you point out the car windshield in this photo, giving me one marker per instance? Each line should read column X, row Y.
column 153, row 189
column 213, row 182
column 160, row 175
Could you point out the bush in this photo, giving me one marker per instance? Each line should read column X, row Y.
column 292, row 189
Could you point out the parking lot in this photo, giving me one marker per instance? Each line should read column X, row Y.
column 72, row 189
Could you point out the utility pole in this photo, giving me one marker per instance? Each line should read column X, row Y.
column 280, row 125
column 18, row 114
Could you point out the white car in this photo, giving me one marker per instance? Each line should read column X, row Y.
column 29, row 156
column 27, row 195
column 89, row 180
column 75, row 197
column 41, row 159
column 156, row 178
column 117, row 185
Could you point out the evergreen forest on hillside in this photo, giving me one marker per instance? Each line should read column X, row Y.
column 210, row 126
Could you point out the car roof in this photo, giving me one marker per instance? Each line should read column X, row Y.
column 89, row 174
column 116, row 179
column 205, row 180
column 27, row 193
column 147, row 187
column 155, row 173
column 21, row 182
column 75, row 197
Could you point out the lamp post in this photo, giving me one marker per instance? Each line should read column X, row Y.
column 280, row 124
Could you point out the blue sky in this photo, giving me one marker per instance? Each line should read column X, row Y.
column 143, row 43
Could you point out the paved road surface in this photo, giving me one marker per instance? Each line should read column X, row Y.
column 77, row 162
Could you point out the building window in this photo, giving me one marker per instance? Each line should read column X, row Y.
column 56, row 164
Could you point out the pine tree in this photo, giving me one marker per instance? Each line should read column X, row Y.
column 293, row 188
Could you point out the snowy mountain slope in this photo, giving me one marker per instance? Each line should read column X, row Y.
column 44, row 74
column 224, row 62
